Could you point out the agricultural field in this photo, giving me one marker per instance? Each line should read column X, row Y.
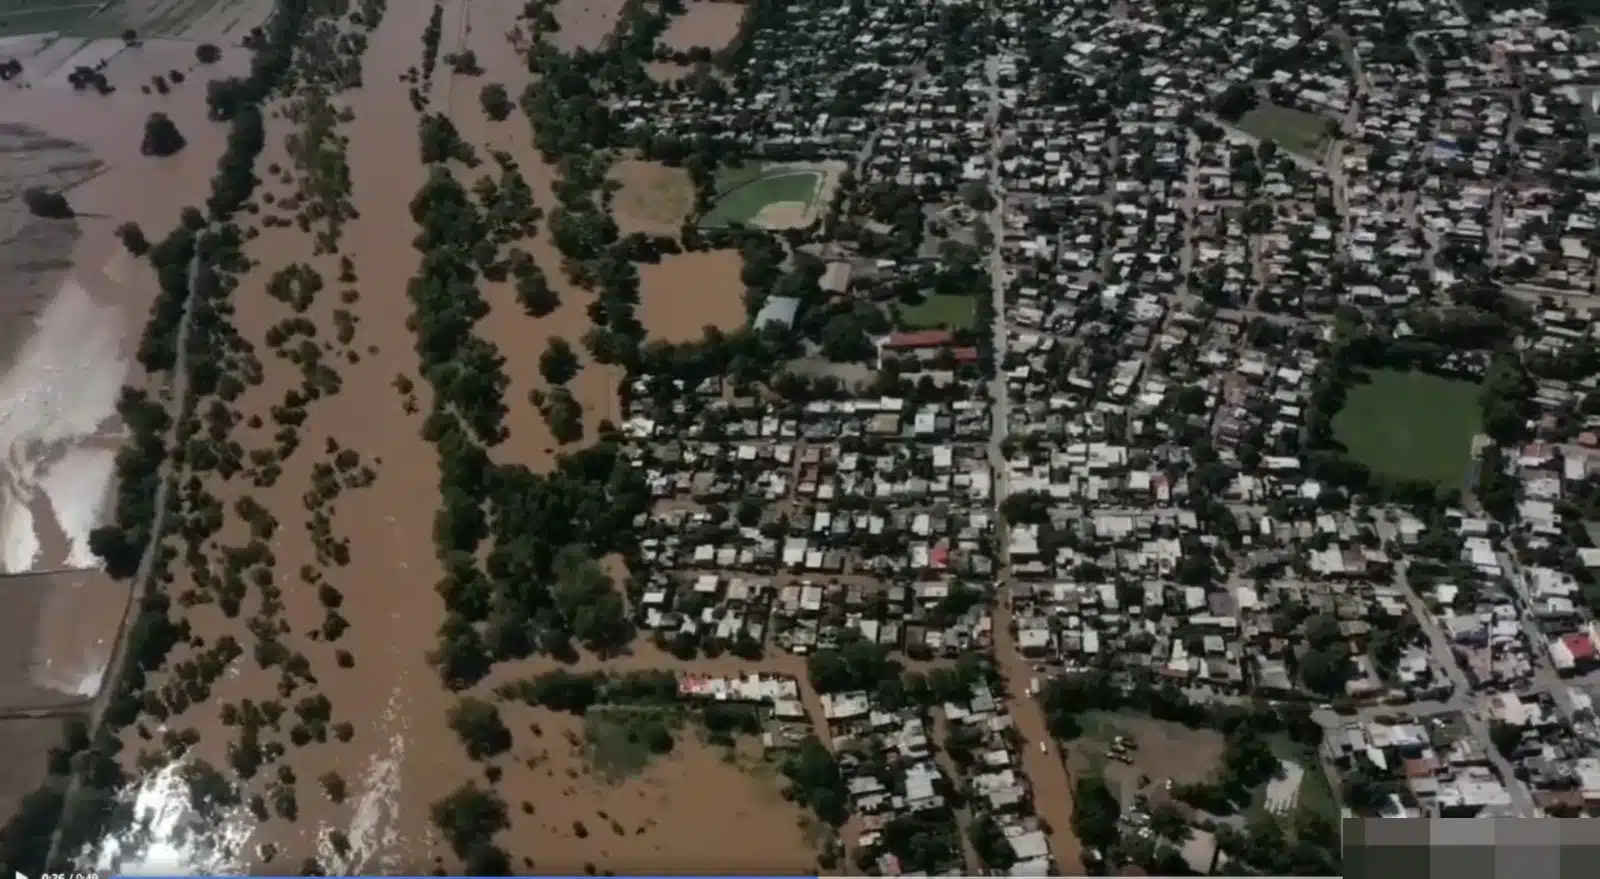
column 27, row 743
column 196, row 20
column 939, row 310
column 60, row 629
column 1411, row 425
column 1291, row 129
column 780, row 200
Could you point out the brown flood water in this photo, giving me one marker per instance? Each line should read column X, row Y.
column 698, row 810
column 76, row 304
column 707, row 23
column 585, row 23
column 1051, row 786
column 401, row 757
column 521, row 338
column 684, row 293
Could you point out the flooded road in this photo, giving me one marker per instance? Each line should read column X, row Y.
column 1050, row 785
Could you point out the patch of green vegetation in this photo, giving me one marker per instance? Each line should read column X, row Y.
column 937, row 310
column 745, row 203
column 1291, row 129
column 621, row 741
column 43, row 16
column 731, row 177
column 1316, row 794
column 1411, row 425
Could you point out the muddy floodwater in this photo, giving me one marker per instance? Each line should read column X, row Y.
column 400, row 756
column 77, row 306
column 74, row 306
column 684, row 293
column 585, row 24
column 708, row 23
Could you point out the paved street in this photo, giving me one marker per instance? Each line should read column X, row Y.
column 1046, row 773
column 1462, row 699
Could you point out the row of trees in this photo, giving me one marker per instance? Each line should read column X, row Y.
column 182, row 258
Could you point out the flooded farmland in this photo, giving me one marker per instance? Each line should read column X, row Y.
column 76, row 303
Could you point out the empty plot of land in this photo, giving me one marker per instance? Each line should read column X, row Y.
column 940, row 310
column 585, row 24
column 686, row 292
column 58, row 631
column 654, row 198
column 1411, row 425
column 710, row 25
column 1162, row 750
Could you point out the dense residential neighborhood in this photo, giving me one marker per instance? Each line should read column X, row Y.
column 1222, row 368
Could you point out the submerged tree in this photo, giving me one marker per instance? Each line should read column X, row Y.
column 42, row 202
column 496, row 102
column 133, row 238
column 161, row 136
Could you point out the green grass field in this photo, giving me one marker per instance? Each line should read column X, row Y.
column 743, row 204
column 41, row 16
column 939, row 310
column 1292, row 129
column 1316, row 794
column 730, row 177
column 1411, row 425
column 78, row 18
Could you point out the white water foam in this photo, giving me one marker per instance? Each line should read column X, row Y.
column 21, row 544
column 81, row 676
column 77, row 487
column 60, row 391
column 374, row 833
column 172, row 839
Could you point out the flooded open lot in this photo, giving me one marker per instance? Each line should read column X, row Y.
column 684, row 293
column 585, row 24
column 710, row 24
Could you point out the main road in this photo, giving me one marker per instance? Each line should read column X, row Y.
column 1041, row 760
